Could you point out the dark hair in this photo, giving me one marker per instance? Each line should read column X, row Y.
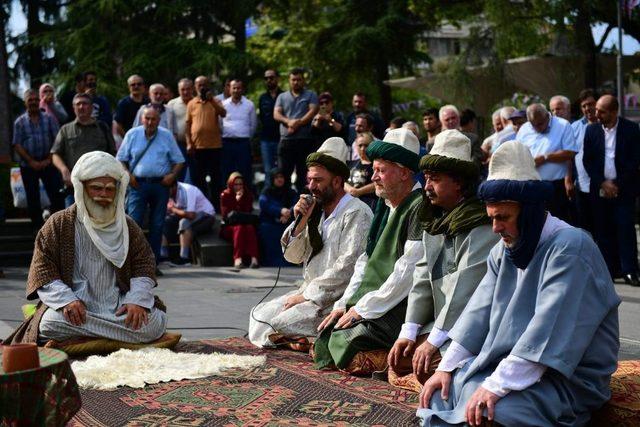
column 368, row 117
column 585, row 94
column 398, row 121
column 467, row 116
column 88, row 73
column 431, row 112
column 360, row 95
column 79, row 77
column 297, row 71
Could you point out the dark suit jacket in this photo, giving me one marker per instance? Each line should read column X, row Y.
column 627, row 158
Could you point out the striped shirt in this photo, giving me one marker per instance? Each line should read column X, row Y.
column 94, row 283
column 35, row 138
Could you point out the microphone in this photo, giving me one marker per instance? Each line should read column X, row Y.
column 308, row 198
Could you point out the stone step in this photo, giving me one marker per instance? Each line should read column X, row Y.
column 211, row 250
column 16, row 227
column 15, row 258
column 18, row 243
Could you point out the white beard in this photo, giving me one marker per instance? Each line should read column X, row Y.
column 100, row 216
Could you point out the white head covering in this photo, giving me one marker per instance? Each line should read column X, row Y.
column 453, row 144
column 513, row 161
column 336, row 148
column 404, row 138
column 111, row 239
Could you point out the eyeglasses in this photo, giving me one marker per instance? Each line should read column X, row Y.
column 138, row 84
column 270, row 77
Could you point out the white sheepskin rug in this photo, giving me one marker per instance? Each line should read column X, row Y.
column 135, row 368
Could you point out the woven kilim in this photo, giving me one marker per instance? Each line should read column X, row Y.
column 285, row 391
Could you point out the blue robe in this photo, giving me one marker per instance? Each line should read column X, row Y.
column 562, row 313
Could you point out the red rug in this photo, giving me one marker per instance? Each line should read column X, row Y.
column 286, row 391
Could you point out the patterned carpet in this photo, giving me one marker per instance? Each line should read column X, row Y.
column 286, row 391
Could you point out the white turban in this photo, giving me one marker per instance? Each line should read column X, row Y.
column 111, row 238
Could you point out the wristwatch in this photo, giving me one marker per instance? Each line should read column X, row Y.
column 332, row 122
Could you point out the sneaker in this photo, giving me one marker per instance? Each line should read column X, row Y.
column 181, row 262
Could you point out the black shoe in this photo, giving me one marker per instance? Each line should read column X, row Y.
column 181, row 262
column 159, row 273
column 632, row 279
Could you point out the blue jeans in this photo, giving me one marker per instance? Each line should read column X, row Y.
column 154, row 195
column 269, row 152
column 236, row 156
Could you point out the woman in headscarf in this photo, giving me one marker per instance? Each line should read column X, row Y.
column 49, row 104
column 236, row 205
column 276, row 212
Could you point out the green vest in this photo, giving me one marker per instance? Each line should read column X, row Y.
column 388, row 248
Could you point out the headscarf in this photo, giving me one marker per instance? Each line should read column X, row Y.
column 512, row 177
column 54, row 108
column 111, row 239
column 284, row 194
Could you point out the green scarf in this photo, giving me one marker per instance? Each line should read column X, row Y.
column 464, row 217
column 388, row 247
column 315, row 239
column 380, row 217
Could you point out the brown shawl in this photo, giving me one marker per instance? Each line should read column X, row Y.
column 53, row 259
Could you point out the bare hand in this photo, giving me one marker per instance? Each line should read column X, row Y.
column 137, row 316
column 610, row 189
column 239, row 194
column 480, row 399
column 348, row 319
column 66, row 177
column 168, row 179
column 331, row 318
column 190, row 150
column 403, row 347
column 294, row 300
column 75, row 313
column 422, row 357
column 539, row 160
column 439, row 380
column 132, row 181
column 570, row 188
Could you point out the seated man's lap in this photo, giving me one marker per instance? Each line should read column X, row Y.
column 53, row 325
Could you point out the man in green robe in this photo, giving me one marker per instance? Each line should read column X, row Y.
column 457, row 239
column 368, row 317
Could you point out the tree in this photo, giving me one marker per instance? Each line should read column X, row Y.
column 5, row 100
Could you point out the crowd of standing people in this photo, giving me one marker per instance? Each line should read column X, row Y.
column 478, row 272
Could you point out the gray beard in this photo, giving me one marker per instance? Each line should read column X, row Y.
column 101, row 216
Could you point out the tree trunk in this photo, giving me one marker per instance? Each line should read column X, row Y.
column 586, row 45
column 5, row 96
column 384, row 90
column 34, row 64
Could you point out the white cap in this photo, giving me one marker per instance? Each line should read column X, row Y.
column 513, row 161
column 336, row 148
column 453, row 144
column 404, row 138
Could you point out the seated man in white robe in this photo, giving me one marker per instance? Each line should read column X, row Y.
column 92, row 268
column 538, row 341
column 328, row 239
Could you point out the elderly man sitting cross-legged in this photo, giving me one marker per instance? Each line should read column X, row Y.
column 538, row 341
column 92, row 267
column 457, row 239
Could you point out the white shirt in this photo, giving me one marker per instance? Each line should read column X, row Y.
column 610, row 152
column 513, row 372
column 376, row 304
column 179, row 108
column 190, row 198
column 241, row 119
column 579, row 128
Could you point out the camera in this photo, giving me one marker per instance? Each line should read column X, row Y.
column 204, row 93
